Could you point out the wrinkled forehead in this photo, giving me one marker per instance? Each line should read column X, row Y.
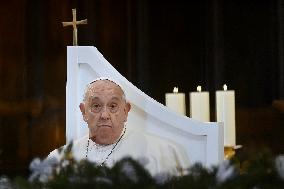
column 104, row 88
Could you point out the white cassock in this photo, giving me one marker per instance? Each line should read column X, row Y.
column 159, row 155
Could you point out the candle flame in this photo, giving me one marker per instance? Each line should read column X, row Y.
column 225, row 87
column 199, row 88
column 175, row 90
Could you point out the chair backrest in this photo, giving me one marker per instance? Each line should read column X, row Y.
column 202, row 142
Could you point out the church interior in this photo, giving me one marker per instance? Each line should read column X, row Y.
column 156, row 45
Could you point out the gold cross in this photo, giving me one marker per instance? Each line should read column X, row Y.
column 74, row 23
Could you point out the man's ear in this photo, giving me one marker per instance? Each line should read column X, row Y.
column 83, row 111
column 127, row 109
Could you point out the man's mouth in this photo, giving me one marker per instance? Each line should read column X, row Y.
column 103, row 125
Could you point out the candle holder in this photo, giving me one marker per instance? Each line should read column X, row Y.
column 230, row 151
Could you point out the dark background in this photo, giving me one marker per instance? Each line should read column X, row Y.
column 156, row 45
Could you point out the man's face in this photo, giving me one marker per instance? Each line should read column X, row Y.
column 105, row 111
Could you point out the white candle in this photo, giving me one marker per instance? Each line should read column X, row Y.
column 176, row 101
column 225, row 109
column 199, row 105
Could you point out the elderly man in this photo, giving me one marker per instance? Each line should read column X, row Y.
column 105, row 110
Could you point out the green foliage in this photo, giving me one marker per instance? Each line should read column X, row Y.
column 260, row 171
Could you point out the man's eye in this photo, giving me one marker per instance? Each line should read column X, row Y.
column 113, row 106
column 96, row 106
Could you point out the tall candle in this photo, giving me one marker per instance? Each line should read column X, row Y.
column 176, row 101
column 199, row 105
column 225, row 108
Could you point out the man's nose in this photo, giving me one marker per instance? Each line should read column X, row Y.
column 105, row 113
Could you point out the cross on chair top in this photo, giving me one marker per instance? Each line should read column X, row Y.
column 74, row 23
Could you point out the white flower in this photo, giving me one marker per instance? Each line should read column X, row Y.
column 225, row 171
column 129, row 171
column 161, row 178
column 104, row 180
column 65, row 163
column 5, row 183
column 279, row 164
column 42, row 170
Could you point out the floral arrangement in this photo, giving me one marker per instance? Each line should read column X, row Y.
column 259, row 172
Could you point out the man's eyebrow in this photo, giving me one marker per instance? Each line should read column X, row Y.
column 94, row 98
column 97, row 98
column 116, row 98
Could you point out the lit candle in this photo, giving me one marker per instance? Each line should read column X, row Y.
column 199, row 105
column 176, row 101
column 225, row 109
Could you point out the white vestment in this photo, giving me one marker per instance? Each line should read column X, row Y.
column 159, row 155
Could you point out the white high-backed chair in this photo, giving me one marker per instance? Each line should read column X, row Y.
column 202, row 142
